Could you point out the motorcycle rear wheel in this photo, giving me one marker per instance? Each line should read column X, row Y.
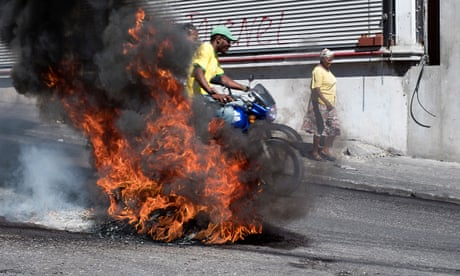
column 284, row 132
column 281, row 167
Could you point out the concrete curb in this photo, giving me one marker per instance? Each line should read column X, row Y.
column 380, row 189
column 364, row 167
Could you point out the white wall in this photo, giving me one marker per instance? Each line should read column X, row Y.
column 440, row 93
column 374, row 98
column 405, row 23
column 371, row 109
column 291, row 96
column 374, row 110
column 372, row 101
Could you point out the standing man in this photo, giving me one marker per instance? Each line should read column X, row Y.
column 321, row 118
column 206, row 66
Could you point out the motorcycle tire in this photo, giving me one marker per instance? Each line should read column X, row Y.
column 284, row 132
column 281, row 167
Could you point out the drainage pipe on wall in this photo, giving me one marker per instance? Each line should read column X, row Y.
column 312, row 58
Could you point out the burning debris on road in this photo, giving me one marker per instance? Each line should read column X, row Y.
column 114, row 73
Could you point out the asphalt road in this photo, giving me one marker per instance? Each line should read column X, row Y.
column 333, row 231
column 346, row 233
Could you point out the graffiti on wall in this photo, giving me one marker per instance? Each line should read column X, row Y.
column 250, row 31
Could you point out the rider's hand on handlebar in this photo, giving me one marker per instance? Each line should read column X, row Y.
column 222, row 98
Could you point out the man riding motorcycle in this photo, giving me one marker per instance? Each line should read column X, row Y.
column 206, row 67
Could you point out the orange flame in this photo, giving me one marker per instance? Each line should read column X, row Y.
column 140, row 17
column 173, row 180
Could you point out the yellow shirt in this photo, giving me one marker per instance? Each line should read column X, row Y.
column 207, row 59
column 326, row 82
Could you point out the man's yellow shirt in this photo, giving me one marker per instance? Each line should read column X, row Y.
column 207, row 59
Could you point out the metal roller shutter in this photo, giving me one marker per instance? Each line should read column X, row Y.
column 270, row 26
column 280, row 26
column 6, row 56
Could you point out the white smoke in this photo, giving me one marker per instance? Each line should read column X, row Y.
column 48, row 191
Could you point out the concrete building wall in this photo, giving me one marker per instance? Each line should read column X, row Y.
column 374, row 99
column 440, row 93
column 371, row 103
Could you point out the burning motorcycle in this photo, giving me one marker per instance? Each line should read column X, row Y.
column 254, row 112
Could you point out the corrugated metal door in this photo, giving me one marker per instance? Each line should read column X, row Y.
column 280, row 26
column 273, row 25
column 6, row 56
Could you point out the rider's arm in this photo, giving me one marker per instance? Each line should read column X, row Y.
column 229, row 82
column 198, row 74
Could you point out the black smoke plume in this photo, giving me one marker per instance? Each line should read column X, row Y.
column 92, row 34
column 43, row 33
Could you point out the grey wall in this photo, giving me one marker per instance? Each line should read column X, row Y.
column 374, row 98
column 372, row 102
column 440, row 93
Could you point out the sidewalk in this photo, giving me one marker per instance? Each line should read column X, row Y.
column 366, row 168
